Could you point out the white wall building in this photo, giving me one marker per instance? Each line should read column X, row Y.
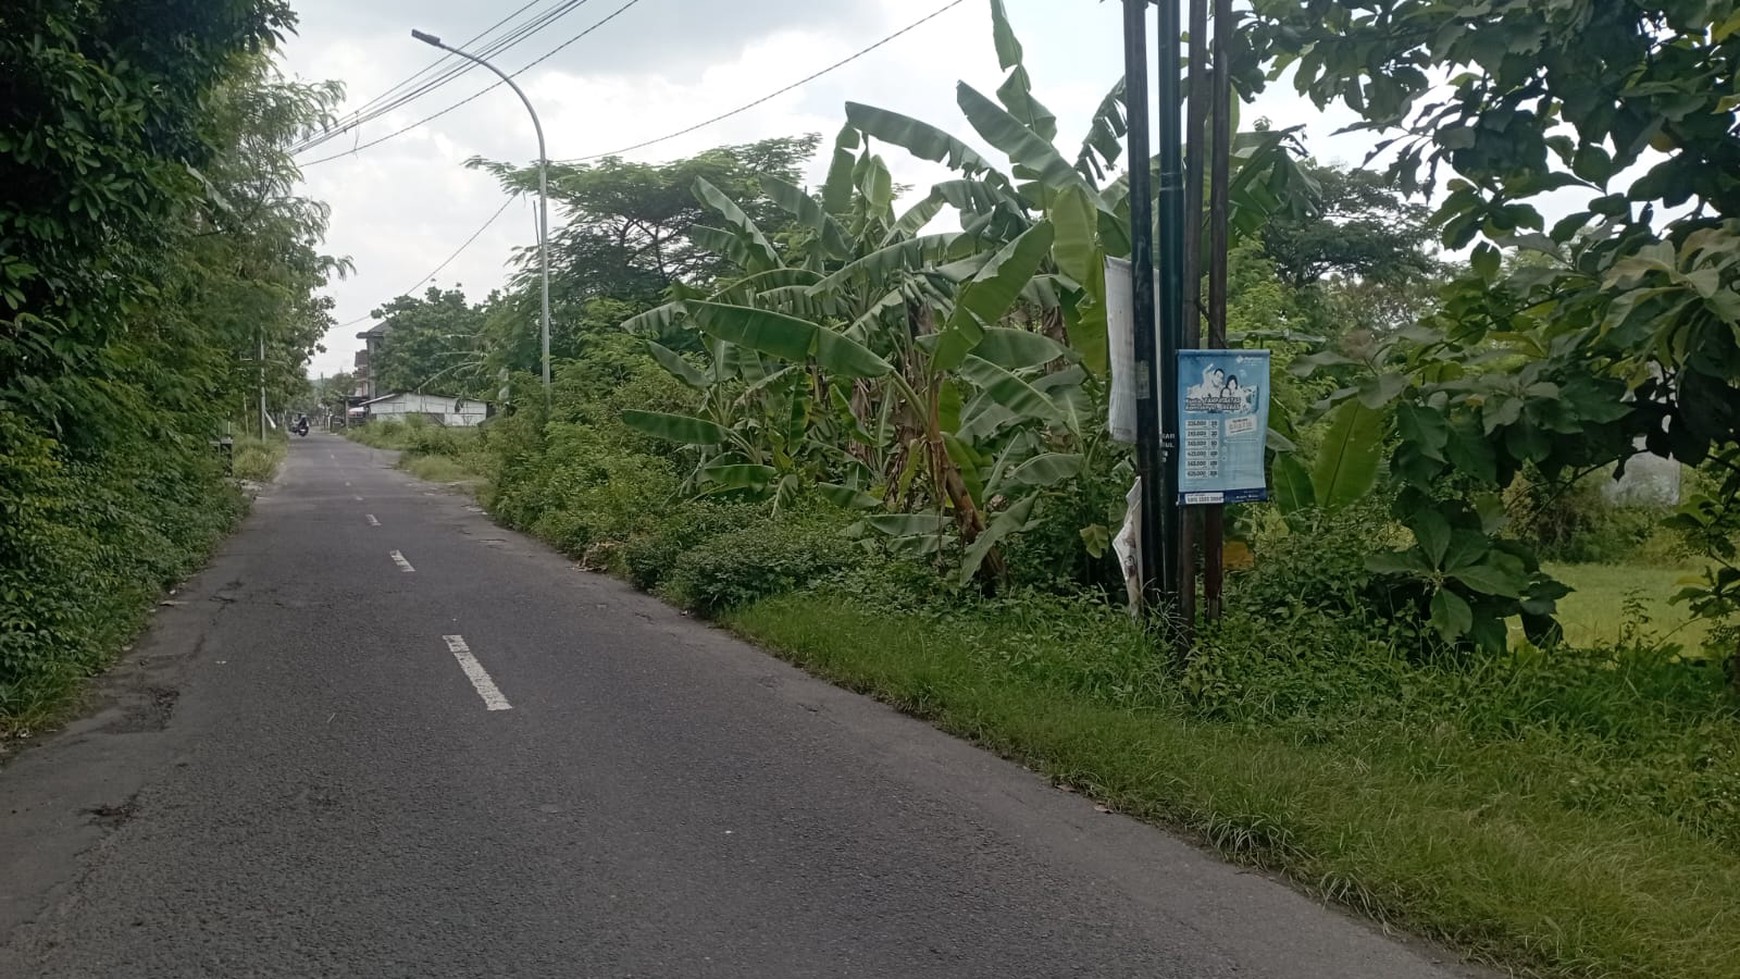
column 442, row 410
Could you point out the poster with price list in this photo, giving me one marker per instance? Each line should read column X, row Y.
column 1224, row 413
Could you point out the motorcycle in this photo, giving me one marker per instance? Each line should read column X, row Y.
column 300, row 427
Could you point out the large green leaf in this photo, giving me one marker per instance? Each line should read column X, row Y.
column 921, row 139
column 1499, row 574
column 1075, row 217
column 1008, row 45
column 788, row 338
column 1009, row 390
column 1016, row 94
column 915, row 218
column 759, row 247
column 1045, row 469
column 908, row 524
column 1347, row 463
column 1011, row 521
column 1105, row 139
column 672, row 361
column 794, row 200
column 686, row 429
column 1017, row 349
column 658, row 320
column 1293, row 491
column 837, row 192
column 738, row 476
column 985, row 299
column 912, row 253
column 1024, row 146
column 848, row 497
column 1451, row 615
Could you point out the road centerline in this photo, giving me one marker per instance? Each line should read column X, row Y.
column 372, row 519
column 479, row 677
column 404, row 565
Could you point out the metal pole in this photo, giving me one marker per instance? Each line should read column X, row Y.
column 1149, row 459
column 543, row 194
column 1170, row 252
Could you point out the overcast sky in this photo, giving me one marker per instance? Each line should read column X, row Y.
column 399, row 209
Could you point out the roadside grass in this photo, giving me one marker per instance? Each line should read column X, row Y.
column 441, row 469
column 428, row 451
column 1609, row 599
column 257, row 460
column 1477, row 826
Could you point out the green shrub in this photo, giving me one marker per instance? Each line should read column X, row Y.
column 87, row 539
column 649, row 556
column 1316, row 563
column 755, row 561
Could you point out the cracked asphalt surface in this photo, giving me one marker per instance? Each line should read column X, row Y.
column 295, row 774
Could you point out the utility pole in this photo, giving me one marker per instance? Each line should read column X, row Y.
column 543, row 192
column 1171, row 300
column 1219, row 209
column 262, row 384
column 1150, row 459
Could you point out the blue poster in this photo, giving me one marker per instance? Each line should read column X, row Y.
column 1223, row 406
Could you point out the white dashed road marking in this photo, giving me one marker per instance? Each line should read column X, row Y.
column 474, row 671
column 404, row 565
column 371, row 519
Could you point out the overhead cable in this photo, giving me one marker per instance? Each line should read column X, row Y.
column 494, row 85
column 493, row 218
column 945, row 8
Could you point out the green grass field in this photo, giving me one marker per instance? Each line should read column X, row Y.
column 1610, row 598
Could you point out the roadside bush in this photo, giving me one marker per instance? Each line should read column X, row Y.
column 86, row 542
column 1316, row 563
column 649, row 556
column 768, row 557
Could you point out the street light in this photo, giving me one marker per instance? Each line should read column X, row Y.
column 543, row 190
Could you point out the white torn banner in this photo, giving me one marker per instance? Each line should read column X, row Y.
column 1121, row 350
column 1127, row 545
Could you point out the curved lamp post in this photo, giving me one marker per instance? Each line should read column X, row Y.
column 543, row 191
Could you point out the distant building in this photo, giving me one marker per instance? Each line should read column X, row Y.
column 439, row 409
column 365, row 378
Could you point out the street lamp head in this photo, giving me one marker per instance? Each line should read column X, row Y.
column 428, row 39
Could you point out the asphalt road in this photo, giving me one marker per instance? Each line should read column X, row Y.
column 381, row 737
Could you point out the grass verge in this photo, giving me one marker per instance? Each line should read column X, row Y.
column 257, row 460
column 1477, row 841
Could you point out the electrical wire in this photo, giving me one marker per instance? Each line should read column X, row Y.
column 493, row 86
column 493, row 218
column 446, row 56
column 493, row 49
column 773, row 95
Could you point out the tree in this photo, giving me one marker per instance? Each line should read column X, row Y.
column 1364, row 229
column 943, row 383
column 103, row 144
column 432, row 344
column 624, row 237
column 1629, row 330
